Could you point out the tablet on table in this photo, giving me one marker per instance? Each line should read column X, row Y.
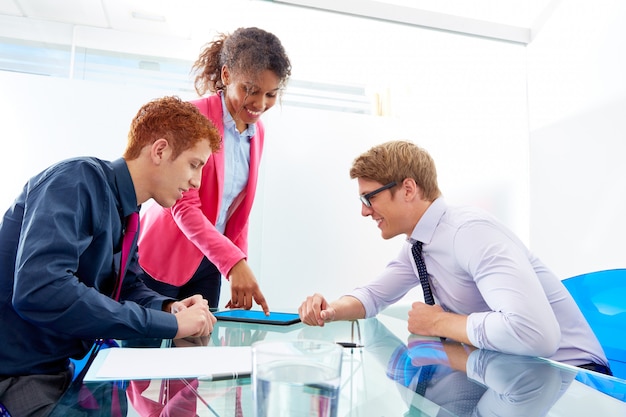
column 257, row 316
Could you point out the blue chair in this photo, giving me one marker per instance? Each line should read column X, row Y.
column 3, row 411
column 78, row 365
column 601, row 297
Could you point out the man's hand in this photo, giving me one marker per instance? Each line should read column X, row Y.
column 177, row 306
column 315, row 311
column 244, row 288
column 193, row 317
column 422, row 317
column 427, row 320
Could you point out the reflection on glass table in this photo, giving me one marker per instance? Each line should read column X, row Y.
column 469, row 382
column 392, row 374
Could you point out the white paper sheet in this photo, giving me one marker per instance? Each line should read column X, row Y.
column 221, row 362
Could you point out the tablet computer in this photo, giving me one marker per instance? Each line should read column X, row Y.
column 257, row 316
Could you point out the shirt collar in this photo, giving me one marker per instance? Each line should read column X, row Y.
column 426, row 226
column 229, row 122
column 125, row 187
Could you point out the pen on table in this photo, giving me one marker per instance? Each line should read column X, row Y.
column 226, row 376
column 350, row 344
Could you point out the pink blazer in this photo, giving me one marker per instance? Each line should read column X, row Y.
column 172, row 241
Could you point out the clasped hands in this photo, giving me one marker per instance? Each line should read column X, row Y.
column 193, row 317
column 316, row 311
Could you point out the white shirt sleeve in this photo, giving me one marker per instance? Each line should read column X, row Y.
column 520, row 319
column 390, row 286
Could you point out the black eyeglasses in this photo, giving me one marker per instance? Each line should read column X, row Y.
column 365, row 198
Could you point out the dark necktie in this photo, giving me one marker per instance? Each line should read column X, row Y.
column 423, row 274
column 132, row 226
column 424, row 377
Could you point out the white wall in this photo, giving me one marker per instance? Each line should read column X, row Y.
column 577, row 101
column 45, row 119
column 462, row 98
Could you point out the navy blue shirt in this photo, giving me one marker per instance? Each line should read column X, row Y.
column 60, row 245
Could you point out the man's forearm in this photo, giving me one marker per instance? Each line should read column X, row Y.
column 348, row 308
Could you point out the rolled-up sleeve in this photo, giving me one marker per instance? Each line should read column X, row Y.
column 520, row 319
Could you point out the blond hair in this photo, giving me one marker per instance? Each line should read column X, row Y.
column 396, row 161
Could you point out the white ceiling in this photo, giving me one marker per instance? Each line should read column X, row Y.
column 511, row 20
column 325, row 46
column 346, row 33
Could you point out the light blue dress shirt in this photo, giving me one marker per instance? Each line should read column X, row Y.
column 477, row 267
column 236, row 165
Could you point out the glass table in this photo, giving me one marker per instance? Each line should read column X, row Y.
column 392, row 374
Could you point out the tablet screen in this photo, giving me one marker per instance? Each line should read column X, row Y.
column 257, row 316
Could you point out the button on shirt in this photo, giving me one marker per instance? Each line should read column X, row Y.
column 236, row 165
column 479, row 268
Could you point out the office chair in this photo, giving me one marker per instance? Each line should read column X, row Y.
column 3, row 411
column 601, row 296
column 78, row 365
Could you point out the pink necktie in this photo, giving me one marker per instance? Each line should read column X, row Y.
column 238, row 408
column 132, row 225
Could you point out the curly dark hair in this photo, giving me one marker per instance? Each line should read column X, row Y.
column 180, row 122
column 245, row 51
